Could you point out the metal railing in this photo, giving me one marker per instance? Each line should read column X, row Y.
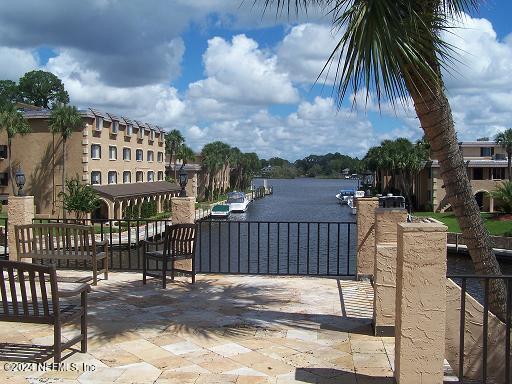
column 4, row 253
column 478, row 287
column 277, row 248
column 238, row 247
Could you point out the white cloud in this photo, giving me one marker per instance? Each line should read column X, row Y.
column 15, row 62
column 240, row 73
column 159, row 104
column 304, row 52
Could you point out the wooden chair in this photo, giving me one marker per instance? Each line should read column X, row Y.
column 60, row 241
column 25, row 299
column 179, row 243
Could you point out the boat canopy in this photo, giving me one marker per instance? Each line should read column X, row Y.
column 347, row 192
column 220, row 208
column 235, row 197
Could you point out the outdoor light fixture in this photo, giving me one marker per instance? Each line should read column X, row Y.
column 183, row 180
column 20, row 181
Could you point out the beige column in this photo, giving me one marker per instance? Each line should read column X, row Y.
column 491, row 204
column 183, row 210
column 20, row 210
column 384, row 272
column 365, row 235
column 420, row 303
column 120, row 216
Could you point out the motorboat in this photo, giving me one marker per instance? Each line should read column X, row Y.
column 345, row 195
column 352, row 203
column 237, row 201
column 220, row 211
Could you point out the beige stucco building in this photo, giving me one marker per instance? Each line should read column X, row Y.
column 112, row 153
column 486, row 164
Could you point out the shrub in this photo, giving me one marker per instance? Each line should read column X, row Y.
column 503, row 193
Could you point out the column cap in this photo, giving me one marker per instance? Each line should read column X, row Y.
column 422, row 227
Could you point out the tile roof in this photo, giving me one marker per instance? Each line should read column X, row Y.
column 104, row 115
column 116, row 191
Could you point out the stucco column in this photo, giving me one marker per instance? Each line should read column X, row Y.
column 183, row 210
column 365, row 235
column 384, row 271
column 491, row 204
column 20, row 211
column 420, row 303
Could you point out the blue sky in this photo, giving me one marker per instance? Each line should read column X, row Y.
column 220, row 71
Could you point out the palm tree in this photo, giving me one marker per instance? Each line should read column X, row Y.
column 395, row 49
column 172, row 141
column 14, row 123
column 64, row 120
column 185, row 154
column 505, row 140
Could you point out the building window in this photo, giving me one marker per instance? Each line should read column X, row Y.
column 129, row 130
column 95, row 177
column 139, row 176
column 99, row 123
column 112, row 152
column 486, row 151
column 127, row 177
column 115, row 127
column 95, row 151
column 160, row 175
column 3, row 151
column 478, row 173
column 160, row 157
column 151, row 156
column 152, row 135
column 498, row 173
column 141, row 133
column 127, row 154
column 4, row 179
column 151, row 176
column 112, row 177
column 138, row 155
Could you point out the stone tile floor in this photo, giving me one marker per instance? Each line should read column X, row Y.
column 223, row 329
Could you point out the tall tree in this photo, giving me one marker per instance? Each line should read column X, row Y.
column 185, row 153
column 394, row 49
column 215, row 155
column 172, row 141
column 15, row 124
column 43, row 89
column 64, row 120
column 8, row 93
column 505, row 140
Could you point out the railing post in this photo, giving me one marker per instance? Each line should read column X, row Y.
column 365, row 236
column 183, row 212
column 384, row 273
column 20, row 211
column 420, row 303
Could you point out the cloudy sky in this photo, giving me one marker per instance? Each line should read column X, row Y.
column 222, row 70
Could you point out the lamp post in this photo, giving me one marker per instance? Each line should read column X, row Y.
column 20, row 181
column 183, row 176
column 367, row 181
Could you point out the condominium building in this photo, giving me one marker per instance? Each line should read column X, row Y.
column 122, row 158
column 486, row 166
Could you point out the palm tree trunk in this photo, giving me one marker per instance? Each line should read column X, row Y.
column 63, row 174
column 509, row 160
column 434, row 113
column 11, row 178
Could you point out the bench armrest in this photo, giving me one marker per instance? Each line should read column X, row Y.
column 101, row 243
column 76, row 291
column 146, row 243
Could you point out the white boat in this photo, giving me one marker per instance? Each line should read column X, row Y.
column 220, row 211
column 345, row 195
column 237, row 201
column 351, row 202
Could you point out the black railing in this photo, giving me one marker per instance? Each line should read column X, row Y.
column 4, row 253
column 238, row 247
column 478, row 286
column 277, row 248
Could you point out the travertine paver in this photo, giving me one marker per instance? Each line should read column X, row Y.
column 223, row 329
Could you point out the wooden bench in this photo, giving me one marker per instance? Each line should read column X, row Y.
column 30, row 294
column 58, row 241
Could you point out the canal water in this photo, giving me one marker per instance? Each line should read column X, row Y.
column 300, row 229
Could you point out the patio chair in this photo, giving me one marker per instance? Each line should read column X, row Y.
column 179, row 243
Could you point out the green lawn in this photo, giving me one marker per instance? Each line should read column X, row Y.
column 495, row 227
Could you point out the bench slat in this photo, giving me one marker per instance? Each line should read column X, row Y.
column 32, row 278
column 3, row 290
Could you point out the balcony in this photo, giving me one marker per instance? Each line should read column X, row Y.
column 222, row 329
